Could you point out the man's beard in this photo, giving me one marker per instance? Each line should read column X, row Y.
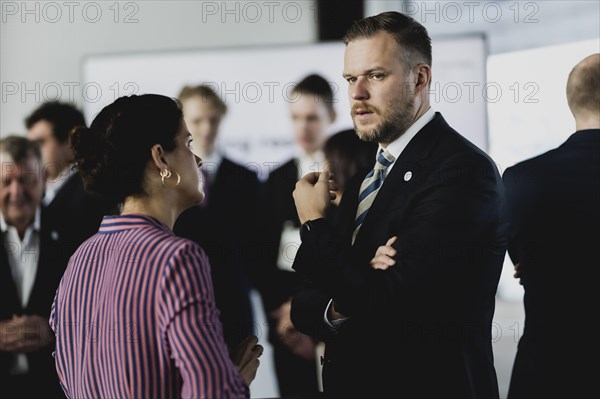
column 392, row 125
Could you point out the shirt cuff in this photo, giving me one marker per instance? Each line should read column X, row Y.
column 333, row 324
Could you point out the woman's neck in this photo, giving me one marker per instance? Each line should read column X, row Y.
column 156, row 208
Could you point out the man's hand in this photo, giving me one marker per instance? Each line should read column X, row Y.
column 246, row 358
column 518, row 273
column 384, row 257
column 24, row 334
column 300, row 344
column 313, row 194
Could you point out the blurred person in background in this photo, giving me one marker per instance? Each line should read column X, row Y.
column 346, row 154
column 312, row 112
column 31, row 265
column 555, row 220
column 223, row 224
column 72, row 214
column 135, row 313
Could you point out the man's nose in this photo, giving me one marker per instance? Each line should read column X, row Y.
column 15, row 189
column 359, row 90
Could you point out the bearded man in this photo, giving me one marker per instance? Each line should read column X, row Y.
column 403, row 292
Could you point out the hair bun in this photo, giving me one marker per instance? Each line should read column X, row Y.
column 90, row 151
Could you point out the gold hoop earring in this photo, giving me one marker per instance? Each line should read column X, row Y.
column 166, row 174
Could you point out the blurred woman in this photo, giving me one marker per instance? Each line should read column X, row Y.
column 135, row 314
column 347, row 155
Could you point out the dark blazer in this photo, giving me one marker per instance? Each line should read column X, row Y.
column 555, row 230
column 74, row 215
column 224, row 228
column 276, row 285
column 422, row 327
column 52, row 261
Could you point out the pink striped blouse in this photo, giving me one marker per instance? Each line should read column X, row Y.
column 135, row 317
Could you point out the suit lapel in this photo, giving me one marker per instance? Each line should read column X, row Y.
column 51, row 264
column 41, row 276
column 8, row 290
column 399, row 180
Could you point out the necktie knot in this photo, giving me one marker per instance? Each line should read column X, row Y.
column 384, row 159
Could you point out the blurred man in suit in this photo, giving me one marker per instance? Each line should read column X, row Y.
column 555, row 219
column 403, row 292
column 72, row 214
column 312, row 113
column 31, row 265
column 223, row 224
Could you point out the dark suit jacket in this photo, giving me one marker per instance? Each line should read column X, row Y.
column 224, row 228
column 276, row 285
column 74, row 215
column 555, row 218
column 52, row 261
column 422, row 327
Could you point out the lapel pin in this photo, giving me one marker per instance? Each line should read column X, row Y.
column 408, row 176
column 54, row 235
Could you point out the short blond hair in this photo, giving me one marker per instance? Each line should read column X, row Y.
column 206, row 93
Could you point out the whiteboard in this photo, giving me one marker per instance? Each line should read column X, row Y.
column 256, row 84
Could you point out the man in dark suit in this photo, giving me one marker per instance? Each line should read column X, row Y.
column 72, row 214
column 411, row 318
column 31, row 265
column 312, row 113
column 223, row 224
column 554, row 213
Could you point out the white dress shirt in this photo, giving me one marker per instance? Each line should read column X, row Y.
column 23, row 262
column 395, row 148
column 307, row 163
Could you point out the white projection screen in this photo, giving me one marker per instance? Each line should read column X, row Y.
column 256, row 84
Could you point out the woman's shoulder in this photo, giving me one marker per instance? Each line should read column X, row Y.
column 184, row 250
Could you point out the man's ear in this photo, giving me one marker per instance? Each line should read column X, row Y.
column 423, row 77
column 158, row 157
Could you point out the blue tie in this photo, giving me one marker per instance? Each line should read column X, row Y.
column 369, row 188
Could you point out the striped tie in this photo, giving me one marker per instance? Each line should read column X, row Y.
column 369, row 188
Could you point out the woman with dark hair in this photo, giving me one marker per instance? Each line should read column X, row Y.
column 134, row 314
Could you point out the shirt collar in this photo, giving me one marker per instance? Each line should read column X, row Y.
column 396, row 147
column 36, row 221
column 114, row 223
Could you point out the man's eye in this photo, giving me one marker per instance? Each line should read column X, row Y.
column 377, row 76
column 351, row 80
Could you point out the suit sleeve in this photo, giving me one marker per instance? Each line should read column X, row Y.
column 308, row 309
column 189, row 321
column 453, row 218
column 510, row 184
